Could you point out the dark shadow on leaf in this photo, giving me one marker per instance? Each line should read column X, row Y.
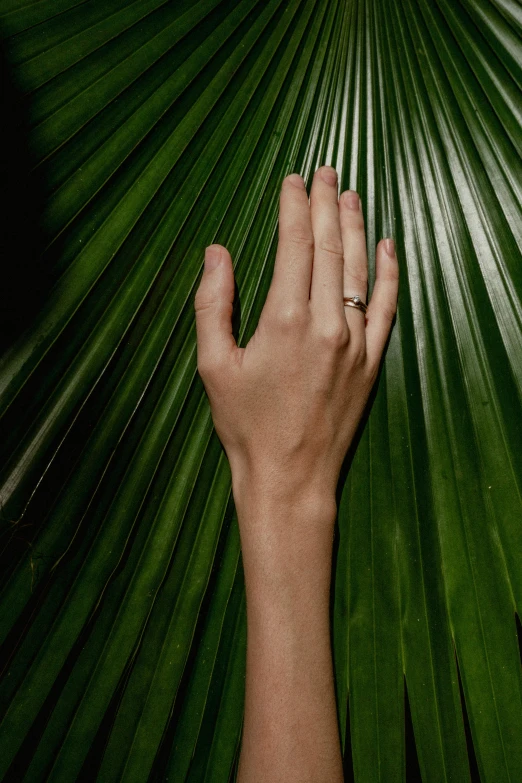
column 413, row 773
column 348, row 773
column 21, row 762
column 24, row 282
column 473, row 766
column 161, row 761
column 93, row 760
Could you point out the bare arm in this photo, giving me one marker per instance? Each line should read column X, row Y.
column 286, row 408
column 290, row 729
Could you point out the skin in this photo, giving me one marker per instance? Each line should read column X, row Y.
column 286, row 408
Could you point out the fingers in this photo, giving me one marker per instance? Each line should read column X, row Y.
column 383, row 304
column 290, row 286
column 355, row 261
column 326, row 293
column 322, row 257
column 213, row 306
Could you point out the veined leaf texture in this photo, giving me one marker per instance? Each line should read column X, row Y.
column 137, row 133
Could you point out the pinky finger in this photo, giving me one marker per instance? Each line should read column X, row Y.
column 383, row 303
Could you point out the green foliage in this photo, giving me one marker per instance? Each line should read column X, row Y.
column 153, row 129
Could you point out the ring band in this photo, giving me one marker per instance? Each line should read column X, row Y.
column 355, row 301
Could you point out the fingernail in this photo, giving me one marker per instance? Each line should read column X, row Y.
column 329, row 175
column 296, row 180
column 389, row 246
column 212, row 257
column 351, row 199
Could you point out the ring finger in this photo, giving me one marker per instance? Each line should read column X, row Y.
column 355, row 276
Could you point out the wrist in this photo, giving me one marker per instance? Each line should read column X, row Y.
column 270, row 489
column 286, row 543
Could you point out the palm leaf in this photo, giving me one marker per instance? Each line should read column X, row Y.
column 152, row 129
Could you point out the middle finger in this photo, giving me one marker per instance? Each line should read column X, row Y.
column 326, row 293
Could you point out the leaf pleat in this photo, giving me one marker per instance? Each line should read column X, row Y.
column 152, row 129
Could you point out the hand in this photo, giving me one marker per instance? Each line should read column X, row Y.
column 287, row 406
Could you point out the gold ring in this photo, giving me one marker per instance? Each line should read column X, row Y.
column 355, row 301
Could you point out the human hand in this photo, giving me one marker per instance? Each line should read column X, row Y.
column 286, row 406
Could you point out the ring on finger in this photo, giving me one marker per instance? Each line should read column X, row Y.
column 355, row 301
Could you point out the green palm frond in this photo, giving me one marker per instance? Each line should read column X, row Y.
column 152, row 129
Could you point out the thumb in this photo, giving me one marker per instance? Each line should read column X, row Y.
column 213, row 306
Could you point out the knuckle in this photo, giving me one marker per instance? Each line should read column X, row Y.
column 202, row 301
column 202, row 306
column 335, row 335
column 331, row 246
column 389, row 312
column 290, row 318
column 298, row 236
column 359, row 277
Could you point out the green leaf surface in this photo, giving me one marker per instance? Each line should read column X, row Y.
column 148, row 130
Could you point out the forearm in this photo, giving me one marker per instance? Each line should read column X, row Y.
column 290, row 728
column 286, row 407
